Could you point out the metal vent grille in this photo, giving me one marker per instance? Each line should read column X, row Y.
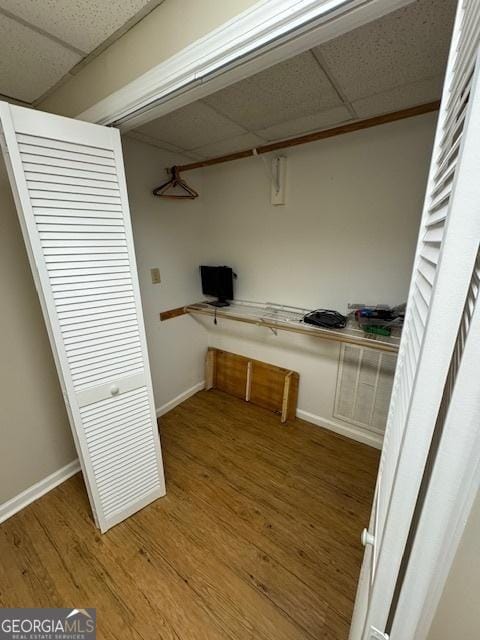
column 364, row 386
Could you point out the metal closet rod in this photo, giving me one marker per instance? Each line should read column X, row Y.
column 316, row 135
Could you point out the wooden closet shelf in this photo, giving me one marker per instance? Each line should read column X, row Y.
column 285, row 318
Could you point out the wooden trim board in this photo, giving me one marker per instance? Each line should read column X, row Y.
column 172, row 313
column 265, row 385
column 316, row 135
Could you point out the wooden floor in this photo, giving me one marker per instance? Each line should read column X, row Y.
column 257, row 538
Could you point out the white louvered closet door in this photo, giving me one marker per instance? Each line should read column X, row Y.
column 69, row 186
column 445, row 261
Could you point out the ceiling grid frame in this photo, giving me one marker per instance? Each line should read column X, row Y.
column 38, row 58
column 323, row 65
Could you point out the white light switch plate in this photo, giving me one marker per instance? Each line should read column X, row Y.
column 155, row 275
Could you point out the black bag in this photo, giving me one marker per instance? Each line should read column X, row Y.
column 326, row 318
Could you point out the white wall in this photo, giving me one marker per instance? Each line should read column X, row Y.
column 167, row 235
column 349, row 226
column 347, row 233
column 35, row 436
column 457, row 614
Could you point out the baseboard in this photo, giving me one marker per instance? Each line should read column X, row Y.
column 349, row 431
column 171, row 404
column 9, row 508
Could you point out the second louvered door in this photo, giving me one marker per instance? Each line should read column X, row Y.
column 69, row 185
column 445, row 260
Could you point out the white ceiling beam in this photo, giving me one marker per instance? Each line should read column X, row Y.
column 267, row 33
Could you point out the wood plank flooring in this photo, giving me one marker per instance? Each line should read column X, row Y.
column 257, row 538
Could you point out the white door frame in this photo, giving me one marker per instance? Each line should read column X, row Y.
column 267, row 33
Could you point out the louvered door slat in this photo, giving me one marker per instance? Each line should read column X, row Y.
column 80, row 216
column 68, row 175
column 43, row 186
column 46, row 198
column 439, row 215
column 83, row 306
column 466, row 58
column 97, row 365
column 119, row 350
column 71, row 297
column 70, row 188
column 67, row 253
column 53, row 143
column 440, row 196
column 81, row 153
column 32, row 162
column 97, row 309
column 434, row 233
column 449, row 158
column 102, row 424
column 443, row 178
column 459, row 103
column 130, row 421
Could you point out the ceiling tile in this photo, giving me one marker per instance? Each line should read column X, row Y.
column 238, row 143
column 193, row 126
column 405, row 46
column 84, row 24
column 299, row 126
column 404, row 97
column 142, row 137
column 30, row 63
column 288, row 90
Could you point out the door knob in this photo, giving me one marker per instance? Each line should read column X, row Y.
column 367, row 538
column 114, row 390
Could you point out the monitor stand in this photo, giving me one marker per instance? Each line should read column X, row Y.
column 219, row 303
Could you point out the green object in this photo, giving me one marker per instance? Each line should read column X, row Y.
column 380, row 331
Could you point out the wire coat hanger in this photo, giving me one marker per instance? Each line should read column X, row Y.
column 175, row 181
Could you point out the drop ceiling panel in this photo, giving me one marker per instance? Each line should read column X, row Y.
column 84, row 24
column 30, row 63
column 291, row 89
column 238, row 143
column 388, row 65
column 406, row 46
column 142, row 137
column 193, row 126
column 299, row 126
column 409, row 95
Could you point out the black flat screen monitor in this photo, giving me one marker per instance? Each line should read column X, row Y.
column 217, row 282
